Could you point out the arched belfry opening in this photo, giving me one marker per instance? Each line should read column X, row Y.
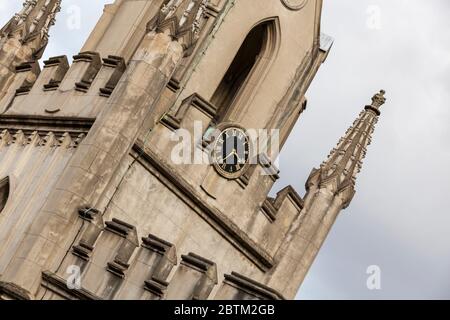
column 247, row 69
column 4, row 192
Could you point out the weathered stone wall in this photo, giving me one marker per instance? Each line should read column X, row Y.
column 32, row 163
column 147, row 203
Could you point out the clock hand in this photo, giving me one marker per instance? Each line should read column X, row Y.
column 239, row 160
column 231, row 154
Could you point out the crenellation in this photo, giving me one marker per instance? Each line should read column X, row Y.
column 55, row 69
column 288, row 193
column 56, row 86
column 26, row 74
column 90, row 234
column 93, row 65
column 167, row 256
column 81, row 73
column 194, row 279
column 119, row 66
column 270, row 225
column 125, row 251
column 24, row 78
column 152, row 266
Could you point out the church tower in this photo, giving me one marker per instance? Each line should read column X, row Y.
column 135, row 173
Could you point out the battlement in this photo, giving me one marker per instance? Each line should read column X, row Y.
column 77, row 90
column 115, row 264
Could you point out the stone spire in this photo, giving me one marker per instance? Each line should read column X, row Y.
column 31, row 25
column 330, row 189
column 338, row 173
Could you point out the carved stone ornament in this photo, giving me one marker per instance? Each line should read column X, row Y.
column 184, row 19
column 294, row 4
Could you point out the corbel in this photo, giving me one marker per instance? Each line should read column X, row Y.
column 32, row 71
column 157, row 283
column 119, row 65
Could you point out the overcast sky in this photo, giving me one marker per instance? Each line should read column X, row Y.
column 399, row 219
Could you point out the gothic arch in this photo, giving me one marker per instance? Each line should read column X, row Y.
column 4, row 192
column 248, row 69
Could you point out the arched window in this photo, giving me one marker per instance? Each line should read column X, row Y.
column 4, row 192
column 247, row 69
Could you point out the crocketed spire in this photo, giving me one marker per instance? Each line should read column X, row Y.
column 338, row 173
column 32, row 24
column 182, row 19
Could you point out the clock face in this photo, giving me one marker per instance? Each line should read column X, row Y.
column 231, row 152
column 294, row 4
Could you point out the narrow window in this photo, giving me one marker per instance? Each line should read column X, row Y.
column 4, row 192
column 257, row 45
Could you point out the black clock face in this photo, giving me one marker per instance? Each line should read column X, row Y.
column 231, row 152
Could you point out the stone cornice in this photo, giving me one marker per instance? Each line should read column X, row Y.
column 43, row 125
column 272, row 206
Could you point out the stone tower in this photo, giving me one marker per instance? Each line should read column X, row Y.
column 93, row 204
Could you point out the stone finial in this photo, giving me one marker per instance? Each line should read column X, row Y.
column 379, row 99
column 182, row 19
